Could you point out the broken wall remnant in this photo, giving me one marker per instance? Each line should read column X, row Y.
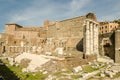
column 117, row 46
column 63, row 36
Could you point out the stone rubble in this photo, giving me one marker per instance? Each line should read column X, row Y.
column 77, row 69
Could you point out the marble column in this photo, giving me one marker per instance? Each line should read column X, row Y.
column 97, row 40
column 91, row 37
column 87, row 40
column 95, row 37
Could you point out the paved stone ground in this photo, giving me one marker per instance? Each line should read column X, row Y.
column 36, row 60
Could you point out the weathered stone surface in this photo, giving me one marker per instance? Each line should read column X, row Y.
column 90, row 38
column 77, row 69
column 102, row 75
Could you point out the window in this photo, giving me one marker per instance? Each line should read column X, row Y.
column 23, row 36
column 102, row 31
column 111, row 26
column 105, row 26
column 15, row 42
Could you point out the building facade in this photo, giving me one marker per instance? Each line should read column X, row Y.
column 107, row 27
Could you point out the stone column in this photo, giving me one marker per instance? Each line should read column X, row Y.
column 91, row 37
column 84, row 39
column 94, row 36
column 87, row 39
column 96, row 39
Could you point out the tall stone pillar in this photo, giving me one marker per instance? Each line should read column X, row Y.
column 91, row 38
column 94, row 36
column 96, row 40
column 87, row 39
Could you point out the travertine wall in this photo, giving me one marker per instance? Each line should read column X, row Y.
column 66, row 34
column 69, row 31
column 117, row 46
column 107, row 49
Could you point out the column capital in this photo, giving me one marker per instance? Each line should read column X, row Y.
column 87, row 25
column 92, row 21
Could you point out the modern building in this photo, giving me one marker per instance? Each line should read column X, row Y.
column 107, row 27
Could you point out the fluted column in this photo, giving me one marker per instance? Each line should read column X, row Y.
column 87, row 40
column 91, row 38
column 96, row 39
column 84, row 39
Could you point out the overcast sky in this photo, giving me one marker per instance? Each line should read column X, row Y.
column 34, row 12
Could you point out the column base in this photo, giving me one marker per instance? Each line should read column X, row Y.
column 90, row 57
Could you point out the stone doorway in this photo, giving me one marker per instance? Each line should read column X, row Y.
column 107, row 50
column 3, row 49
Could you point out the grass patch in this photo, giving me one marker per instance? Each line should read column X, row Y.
column 76, row 76
column 68, row 70
column 98, row 74
column 17, row 70
column 88, row 68
column 117, row 75
column 59, row 73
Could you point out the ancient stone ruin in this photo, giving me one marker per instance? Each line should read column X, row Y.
column 91, row 38
column 53, row 37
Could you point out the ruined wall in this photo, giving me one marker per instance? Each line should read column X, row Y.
column 107, row 49
column 74, row 25
column 68, row 32
column 25, row 34
column 117, row 46
column 10, row 28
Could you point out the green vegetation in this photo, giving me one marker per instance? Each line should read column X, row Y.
column 6, row 73
column 117, row 75
column 59, row 73
column 17, row 70
column 24, row 63
column 24, row 76
column 76, row 76
column 88, row 68
column 27, row 76
column 98, row 74
column 117, row 21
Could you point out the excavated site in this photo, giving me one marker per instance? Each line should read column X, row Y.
column 59, row 50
